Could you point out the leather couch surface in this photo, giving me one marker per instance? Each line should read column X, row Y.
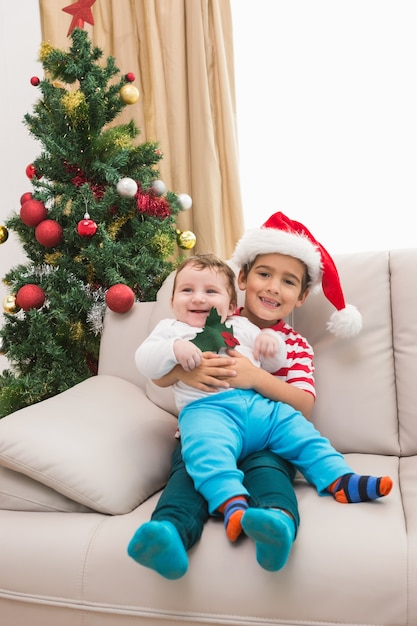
column 351, row 565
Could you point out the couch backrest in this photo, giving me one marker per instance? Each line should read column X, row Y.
column 366, row 386
column 122, row 334
column 356, row 403
column 403, row 274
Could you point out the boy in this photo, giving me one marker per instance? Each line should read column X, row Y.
column 299, row 252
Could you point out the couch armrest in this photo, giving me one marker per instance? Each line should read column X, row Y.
column 122, row 334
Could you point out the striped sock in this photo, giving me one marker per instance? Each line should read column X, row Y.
column 233, row 511
column 356, row 488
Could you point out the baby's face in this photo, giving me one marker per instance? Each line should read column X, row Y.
column 196, row 292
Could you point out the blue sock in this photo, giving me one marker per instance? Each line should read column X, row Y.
column 273, row 532
column 158, row 545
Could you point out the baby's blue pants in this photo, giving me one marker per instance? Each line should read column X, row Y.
column 220, row 429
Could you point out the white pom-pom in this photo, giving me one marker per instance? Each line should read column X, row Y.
column 345, row 323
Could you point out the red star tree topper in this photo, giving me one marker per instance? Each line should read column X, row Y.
column 81, row 12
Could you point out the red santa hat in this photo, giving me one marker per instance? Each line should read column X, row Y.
column 281, row 235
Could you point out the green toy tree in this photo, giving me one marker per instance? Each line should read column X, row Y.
column 98, row 227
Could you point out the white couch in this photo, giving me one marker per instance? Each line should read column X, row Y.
column 76, row 473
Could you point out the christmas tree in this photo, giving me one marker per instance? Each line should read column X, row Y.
column 98, row 227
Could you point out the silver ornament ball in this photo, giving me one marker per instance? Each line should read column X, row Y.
column 158, row 187
column 185, row 201
column 127, row 187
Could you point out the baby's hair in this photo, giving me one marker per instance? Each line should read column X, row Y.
column 211, row 261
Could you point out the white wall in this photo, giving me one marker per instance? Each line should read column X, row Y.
column 327, row 113
column 327, row 117
column 20, row 40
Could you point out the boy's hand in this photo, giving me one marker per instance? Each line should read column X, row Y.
column 246, row 371
column 213, row 372
column 266, row 346
column 187, row 354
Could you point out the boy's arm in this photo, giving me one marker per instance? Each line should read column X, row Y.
column 208, row 376
column 239, row 372
column 248, row 376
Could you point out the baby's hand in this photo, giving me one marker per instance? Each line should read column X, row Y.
column 187, row 354
column 266, row 346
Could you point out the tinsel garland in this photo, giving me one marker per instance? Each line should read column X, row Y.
column 75, row 105
column 152, row 205
column 118, row 223
column 45, row 51
column 80, row 178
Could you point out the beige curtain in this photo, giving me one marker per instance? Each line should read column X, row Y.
column 181, row 52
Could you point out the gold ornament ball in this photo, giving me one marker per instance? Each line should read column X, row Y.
column 4, row 234
column 186, row 239
column 9, row 304
column 129, row 94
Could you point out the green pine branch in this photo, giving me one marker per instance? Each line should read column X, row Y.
column 83, row 154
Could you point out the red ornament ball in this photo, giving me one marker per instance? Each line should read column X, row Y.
column 30, row 297
column 130, row 77
column 86, row 227
column 33, row 212
column 25, row 196
column 120, row 298
column 34, row 81
column 49, row 233
column 30, row 170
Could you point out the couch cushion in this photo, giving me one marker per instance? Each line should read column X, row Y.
column 93, row 444
column 161, row 396
column 21, row 493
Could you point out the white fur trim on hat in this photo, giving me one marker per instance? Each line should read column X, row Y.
column 281, row 235
column 269, row 241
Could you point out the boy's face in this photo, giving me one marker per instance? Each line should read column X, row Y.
column 196, row 292
column 273, row 288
